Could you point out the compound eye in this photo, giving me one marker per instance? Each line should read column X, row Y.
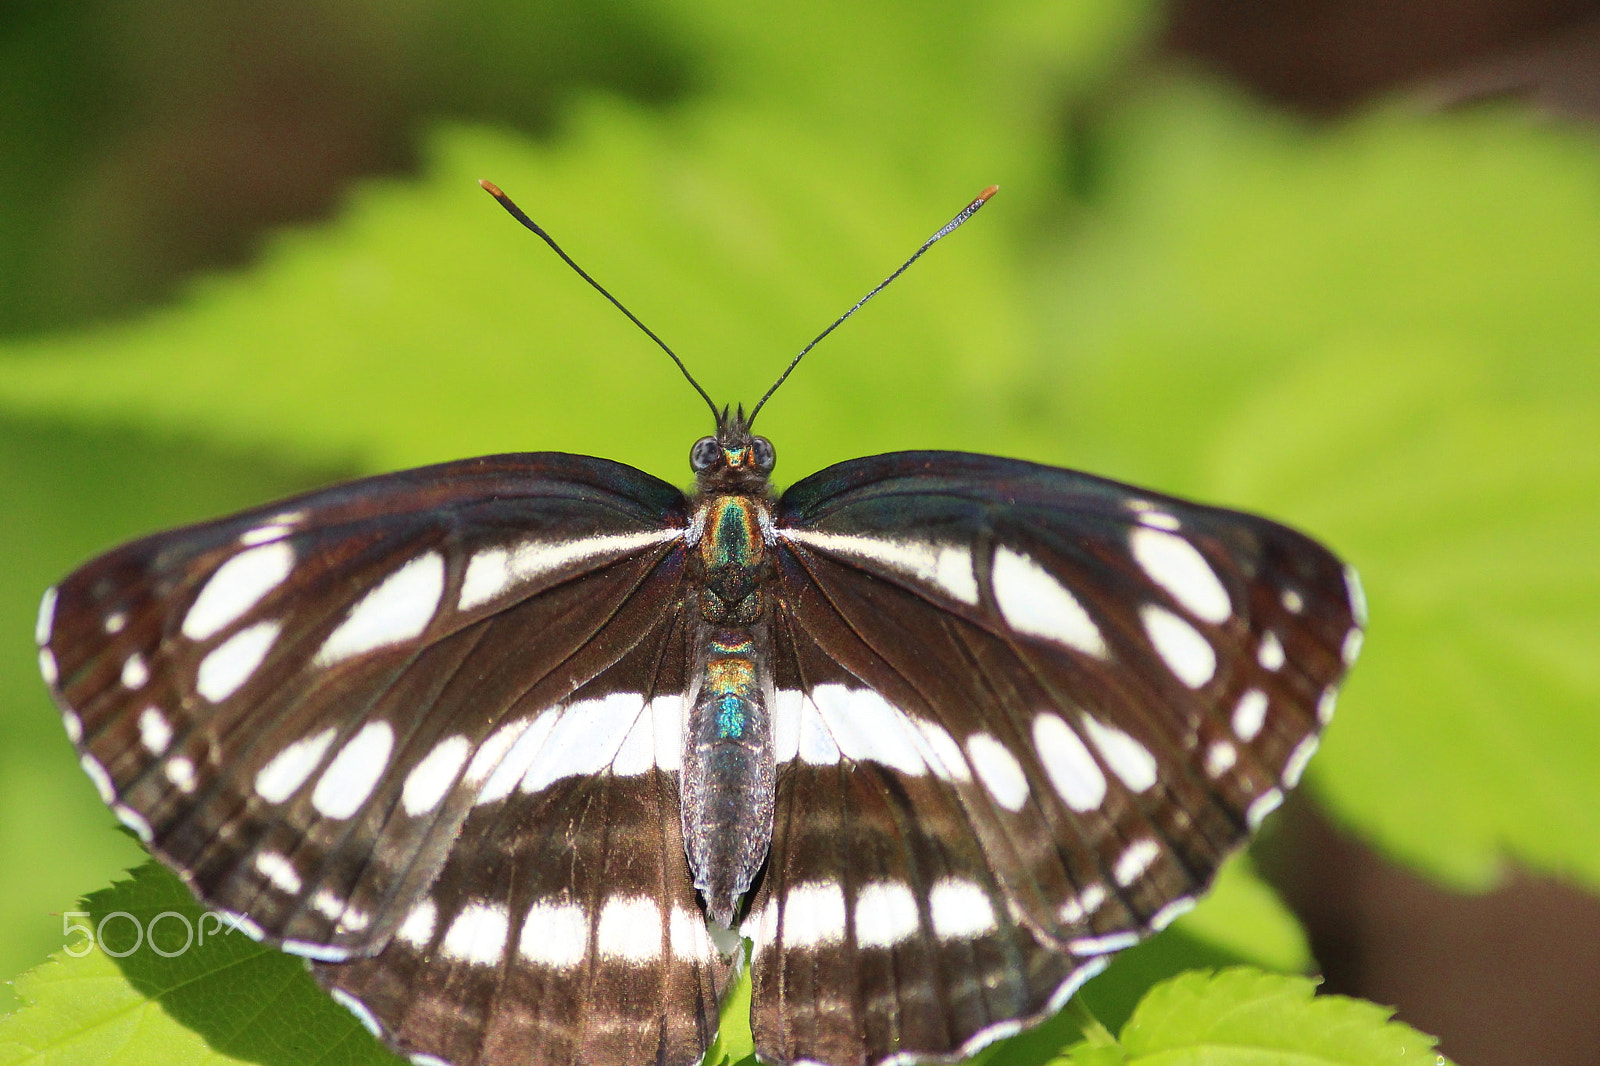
column 762, row 452
column 704, row 455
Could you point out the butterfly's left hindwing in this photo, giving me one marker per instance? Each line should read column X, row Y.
column 1065, row 700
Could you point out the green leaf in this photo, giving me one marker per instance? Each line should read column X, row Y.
column 733, row 1044
column 1245, row 1017
column 156, row 979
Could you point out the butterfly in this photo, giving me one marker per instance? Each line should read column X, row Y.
column 520, row 751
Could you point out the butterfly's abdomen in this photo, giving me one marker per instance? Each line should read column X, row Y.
column 729, row 769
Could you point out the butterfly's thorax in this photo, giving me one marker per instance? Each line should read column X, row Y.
column 729, row 770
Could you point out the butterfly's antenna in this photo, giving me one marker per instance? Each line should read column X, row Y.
column 966, row 213
column 538, row 231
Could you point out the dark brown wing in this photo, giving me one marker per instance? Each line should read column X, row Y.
column 1055, row 703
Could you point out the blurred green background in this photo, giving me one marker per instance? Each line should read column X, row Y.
column 1336, row 263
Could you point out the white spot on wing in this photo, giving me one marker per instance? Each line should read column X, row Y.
column 999, row 771
column 554, row 934
column 350, row 778
column 686, row 934
column 1263, row 805
column 1249, row 715
column 1130, row 760
column 1293, row 602
column 1072, row 769
column 886, row 914
column 1187, row 654
column 629, row 929
column 947, row 567
column 326, row 902
column 1177, row 566
column 238, row 585
column 493, row 571
column 1270, row 655
column 1357, row 595
column 1134, row 861
column 1103, row 945
column 1298, row 758
column 243, row 924
column 584, row 740
column 941, row 752
column 667, row 714
column 180, row 772
column 350, row 1003
column 47, row 617
column 1220, row 758
column 265, row 534
column 134, row 671
column 73, row 725
column 761, row 926
column 1171, row 912
column 502, row 759
column 798, row 730
column 230, row 664
column 154, row 731
column 813, row 914
column 47, row 667
column 1034, row 602
column 1326, row 704
column 429, row 781
column 133, row 820
column 786, row 711
column 288, row 770
column 115, row 621
column 960, row 909
column 397, row 610
column 417, row 929
column 279, row 871
column 865, row 726
column 1352, row 647
column 1146, row 514
column 478, row 934
column 637, row 754
column 1085, row 903
column 488, row 575
column 816, row 745
column 97, row 774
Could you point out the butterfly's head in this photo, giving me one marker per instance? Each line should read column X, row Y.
column 734, row 460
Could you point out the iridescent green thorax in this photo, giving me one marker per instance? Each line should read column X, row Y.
column 732, row 534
